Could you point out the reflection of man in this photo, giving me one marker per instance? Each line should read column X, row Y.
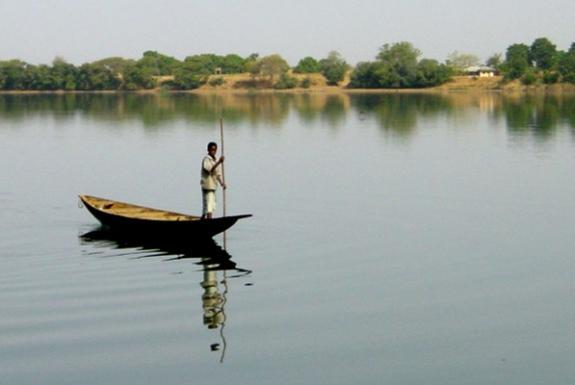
column 212, row 300
column 211, row 176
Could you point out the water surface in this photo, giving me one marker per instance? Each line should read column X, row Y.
column 396, row 239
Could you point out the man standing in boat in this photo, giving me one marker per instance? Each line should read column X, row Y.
column 211, row 176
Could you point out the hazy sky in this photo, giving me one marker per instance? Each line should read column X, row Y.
column 80, row 31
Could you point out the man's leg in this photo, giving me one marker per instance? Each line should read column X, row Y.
column 209, row 204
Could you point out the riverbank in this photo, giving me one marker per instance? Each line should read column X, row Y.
column 239, row 83
column 245, row 84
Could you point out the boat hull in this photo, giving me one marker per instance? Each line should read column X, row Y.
column 157, row 228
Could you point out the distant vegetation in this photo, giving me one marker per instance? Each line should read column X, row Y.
column 541, row 62
column 396, row 65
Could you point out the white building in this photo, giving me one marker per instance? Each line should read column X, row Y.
column 480, row 71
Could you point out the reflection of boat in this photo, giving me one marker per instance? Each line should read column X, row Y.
column 207, row 252
column 214, row 261
column 145, row 221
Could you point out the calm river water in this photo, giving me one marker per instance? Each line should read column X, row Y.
column 396, row 239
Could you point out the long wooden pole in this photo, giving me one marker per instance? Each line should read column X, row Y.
column 222, row 154
column 225, row 244
column 223, row 174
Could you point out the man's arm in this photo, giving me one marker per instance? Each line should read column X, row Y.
column 221, row 180
column 219, row 175
column 220, row 161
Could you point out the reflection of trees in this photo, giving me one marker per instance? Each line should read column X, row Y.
column 307, row 107
column 266, row 108
column 400, row 113
column 568, row 112
column 334, row 109
column 152, row 110
column 537, row 115
column 331, row 108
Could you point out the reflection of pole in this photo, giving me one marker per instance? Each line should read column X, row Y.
column 224, row 300
column 213, row 304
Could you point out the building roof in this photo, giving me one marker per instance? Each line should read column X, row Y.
column 480, row 69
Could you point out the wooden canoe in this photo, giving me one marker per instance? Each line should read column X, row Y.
column 138, row 220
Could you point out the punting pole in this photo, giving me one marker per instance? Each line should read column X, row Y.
column 223, row 173
column 222, row 154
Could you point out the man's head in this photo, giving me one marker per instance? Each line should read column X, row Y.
column 212, row 148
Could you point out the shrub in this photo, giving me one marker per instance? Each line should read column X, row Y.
column 269, row 66
column 217, row 81
column 186, row 79
column 550, row 77
column 285, row 82
column 366, row 75
column 307, row 65
column 333, row 68
column 529, row 78
column 305, row 82
column 569, row 78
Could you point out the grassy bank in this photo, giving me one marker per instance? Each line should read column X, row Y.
column 245, row 83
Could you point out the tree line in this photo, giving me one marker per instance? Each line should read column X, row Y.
column 541, row 62
column 117, row 73
column 154, row 68
column 396, row 65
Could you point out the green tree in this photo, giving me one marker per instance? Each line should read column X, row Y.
column 460, row 61
column 157, row 64
column 366, row 75
column 187, row 77
column 201, row 64
column 430, row 73
column 495, row 61
column 136, row 77
column 399, row 65
column 399, row 54
column 529, row 77
column 94, row 76
column 307, row 65
column 270, row 67
column 115, row 64
column 209, row 63
column 252, row 58
column 543, row 53
column 40, row 78
column 566, row 65
column 333, row 68
column 64, row 74
column 516, row 61
column 232, row 64
column 13, row 73
column 285, row 82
